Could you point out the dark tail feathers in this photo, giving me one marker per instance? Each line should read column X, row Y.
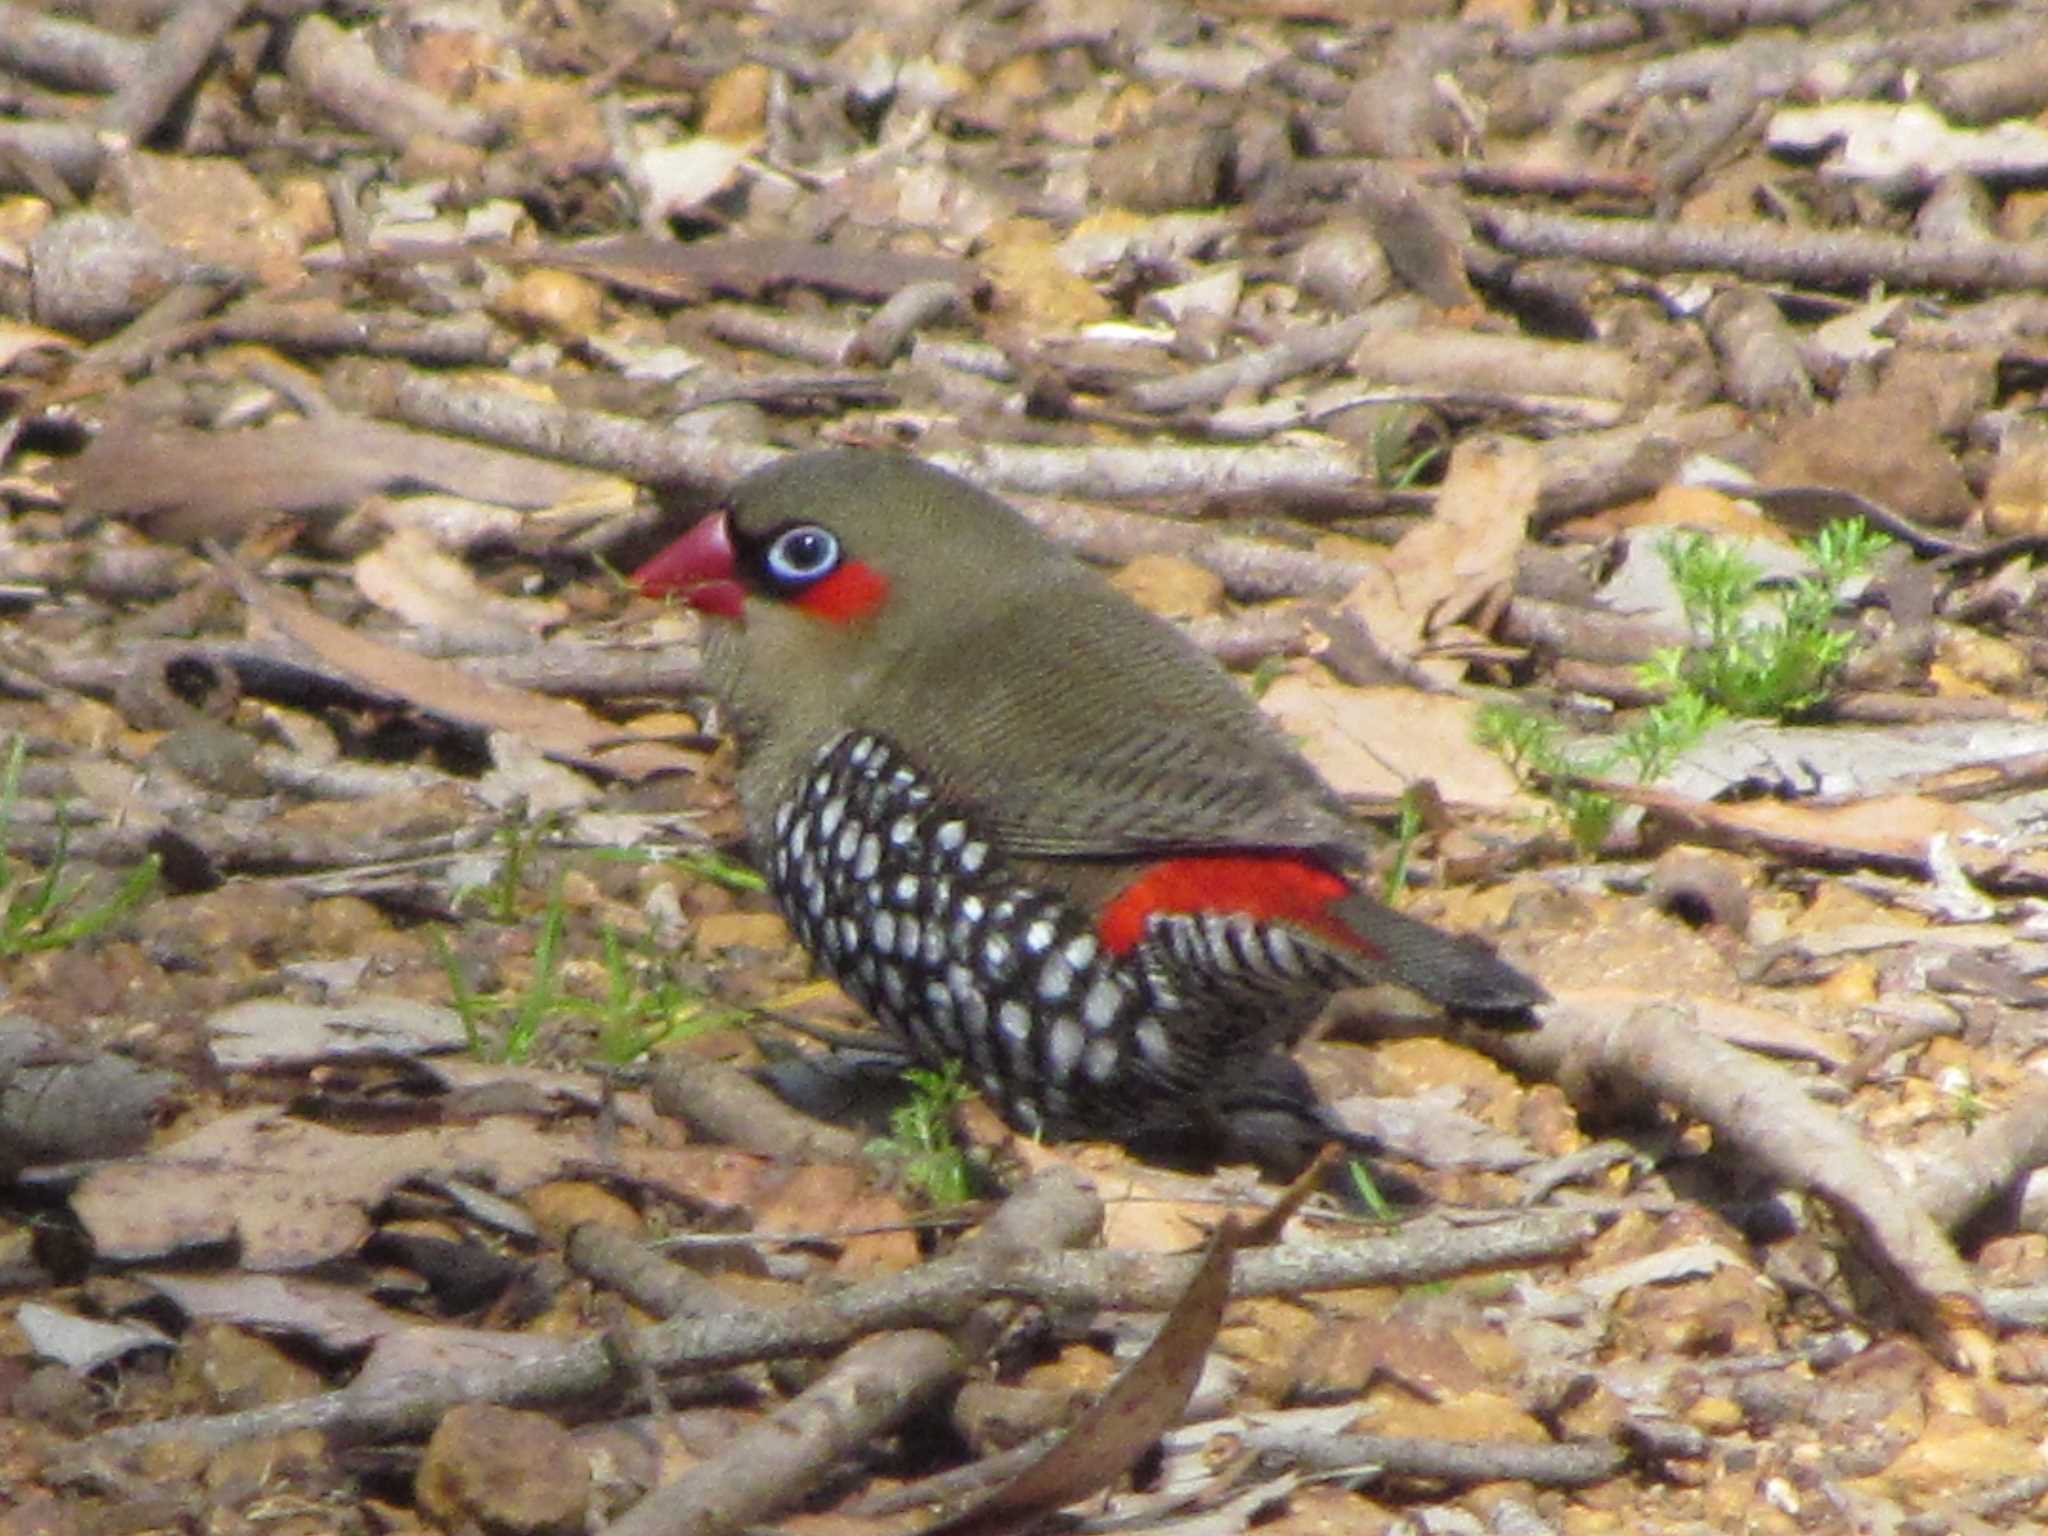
column 1454, row 969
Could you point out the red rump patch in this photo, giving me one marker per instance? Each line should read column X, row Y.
column 1273, row 887
column 852, row 592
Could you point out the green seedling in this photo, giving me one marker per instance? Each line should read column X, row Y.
column 1759, row 651
column 49, row 911
column 1406, row 830
column 645, row 1007
column 704, row 864
column 506, row 1028
column 1368, row 1193
column 921, row 1142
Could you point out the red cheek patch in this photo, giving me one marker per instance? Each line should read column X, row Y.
column 1271, row 887
column 852, row 592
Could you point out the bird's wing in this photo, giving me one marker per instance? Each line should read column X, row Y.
column 1104, row 735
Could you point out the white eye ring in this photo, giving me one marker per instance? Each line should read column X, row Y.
column 801, row 555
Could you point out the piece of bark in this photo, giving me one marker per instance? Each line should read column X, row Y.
column 1444, row 357
column 2012, row 83
column 1759, row 355
column 71, row 55
column 746, row 267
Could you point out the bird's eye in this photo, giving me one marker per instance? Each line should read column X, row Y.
column 801, row 555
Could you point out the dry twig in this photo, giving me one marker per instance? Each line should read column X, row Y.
column 1653, row 1054
column 940, row 1294
column 728, row 1106
column 773, row 1465
column 1995, row 1158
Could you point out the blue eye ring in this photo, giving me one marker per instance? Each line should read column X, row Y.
column 801, row 555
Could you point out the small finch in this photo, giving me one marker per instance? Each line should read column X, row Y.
column 1026, row 824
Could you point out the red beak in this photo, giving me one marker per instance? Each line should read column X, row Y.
column 698, row 568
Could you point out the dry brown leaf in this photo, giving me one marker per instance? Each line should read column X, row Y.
column 186, row 485
column 1141, row 1405
column 1034, row 289
column 1375, row 742
column 1440, row 571
column 294, row 1193
column 408, row 575
column 335, row 1317
column 211, row 207
column 562, row 730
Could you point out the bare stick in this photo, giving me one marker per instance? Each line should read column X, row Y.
column 1998, row 1154
column 1449, row 1461
column 774, row 1464
column 726, row 1105
column 178, row 52
column 1017, row 1261
column 1819, row 258
column 1656, row 1052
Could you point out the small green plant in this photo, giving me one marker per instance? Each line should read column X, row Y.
column 1758, row 651
column 705, row 864
column 498, row 895
column 520, row 841
column 1666, row 731
column 1771, row 664
column 1398, row 462
column 1536, row 752
column 501, row 1028
column 1965, row 1098
column 1268, row 672
column 1406, row 830
column 48, row 912
column 1368, row 1193
column 921, row 1141
column 644, row 1006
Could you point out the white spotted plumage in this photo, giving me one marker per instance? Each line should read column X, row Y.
column 914, row 915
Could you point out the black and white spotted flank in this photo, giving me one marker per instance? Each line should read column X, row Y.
column 923, row 922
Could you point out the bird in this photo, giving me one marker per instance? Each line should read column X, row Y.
column 1027, row 825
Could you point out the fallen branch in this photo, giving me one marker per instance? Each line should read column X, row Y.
column 1424, row 1250
column 1657, row 1052
column 1994, row 1160
column 773, row 1465
column 940, row 1294
column 1459, row 1462
column 179, row 51
column 1814, row 258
